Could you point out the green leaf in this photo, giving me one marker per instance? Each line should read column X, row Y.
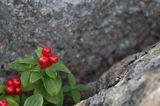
column 76, row 96
column 11, row 101
column 16, row 98
column 25, row 76
column 72, row 80
column 66, row 88
column 38, row 88
column 81, row 87
column 52, row 86
column 60, row 67
column 28, row 60
column 35, row 69
column 19, row 66
column 25, row 79
column 23, row 99
column 27, row 88
column 2, row 89
column 13, row 97
column 51, row 73
column 35, row 76
column 35, row 100
column 42, row 72
column 39, row 52
column 57, row 99
column 36, row 57
column 48, row 97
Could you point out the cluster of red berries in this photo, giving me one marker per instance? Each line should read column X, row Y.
column 13, row 86
column 4, row 102
column 47, row 59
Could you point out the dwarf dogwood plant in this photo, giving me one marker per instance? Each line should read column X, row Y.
column 40, row 82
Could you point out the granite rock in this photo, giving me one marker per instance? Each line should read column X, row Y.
column 134, row 81
column 89, row 35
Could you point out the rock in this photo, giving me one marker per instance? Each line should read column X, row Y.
column 134, row 81
column 89, row 35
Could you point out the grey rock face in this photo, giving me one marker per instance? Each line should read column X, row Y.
column 134, row 81
column 89, row 35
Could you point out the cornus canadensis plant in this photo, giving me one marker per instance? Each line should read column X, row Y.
column 40, row 76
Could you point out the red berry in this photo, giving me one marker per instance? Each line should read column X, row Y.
column 9, row 82
column 53, row 59
column 18, row 90
column 44, row 61
column 46, row 51
column 43, row 65
column 16, row 82
column 49, row 64
column 10, row 89
column 7, row 105
column 3, row 102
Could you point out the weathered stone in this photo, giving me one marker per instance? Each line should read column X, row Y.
column 90, row 35
column 134, row 81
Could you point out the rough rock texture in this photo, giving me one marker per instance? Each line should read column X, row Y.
column 134, row 81
column 89, row 35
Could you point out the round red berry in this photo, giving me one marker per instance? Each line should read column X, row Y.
column 10, row 90
column 54, row 59
column 3, row 102
column 16, row 82
column 18, row 90
column 43, row 65
column 9, row 82
column 49, row 64
column 46, row 51
column 44, row 61
column 7, row 105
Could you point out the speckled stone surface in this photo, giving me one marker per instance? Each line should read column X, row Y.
column 134, row 81
column 89, row 35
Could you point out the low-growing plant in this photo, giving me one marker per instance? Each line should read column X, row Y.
column 40, row 82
